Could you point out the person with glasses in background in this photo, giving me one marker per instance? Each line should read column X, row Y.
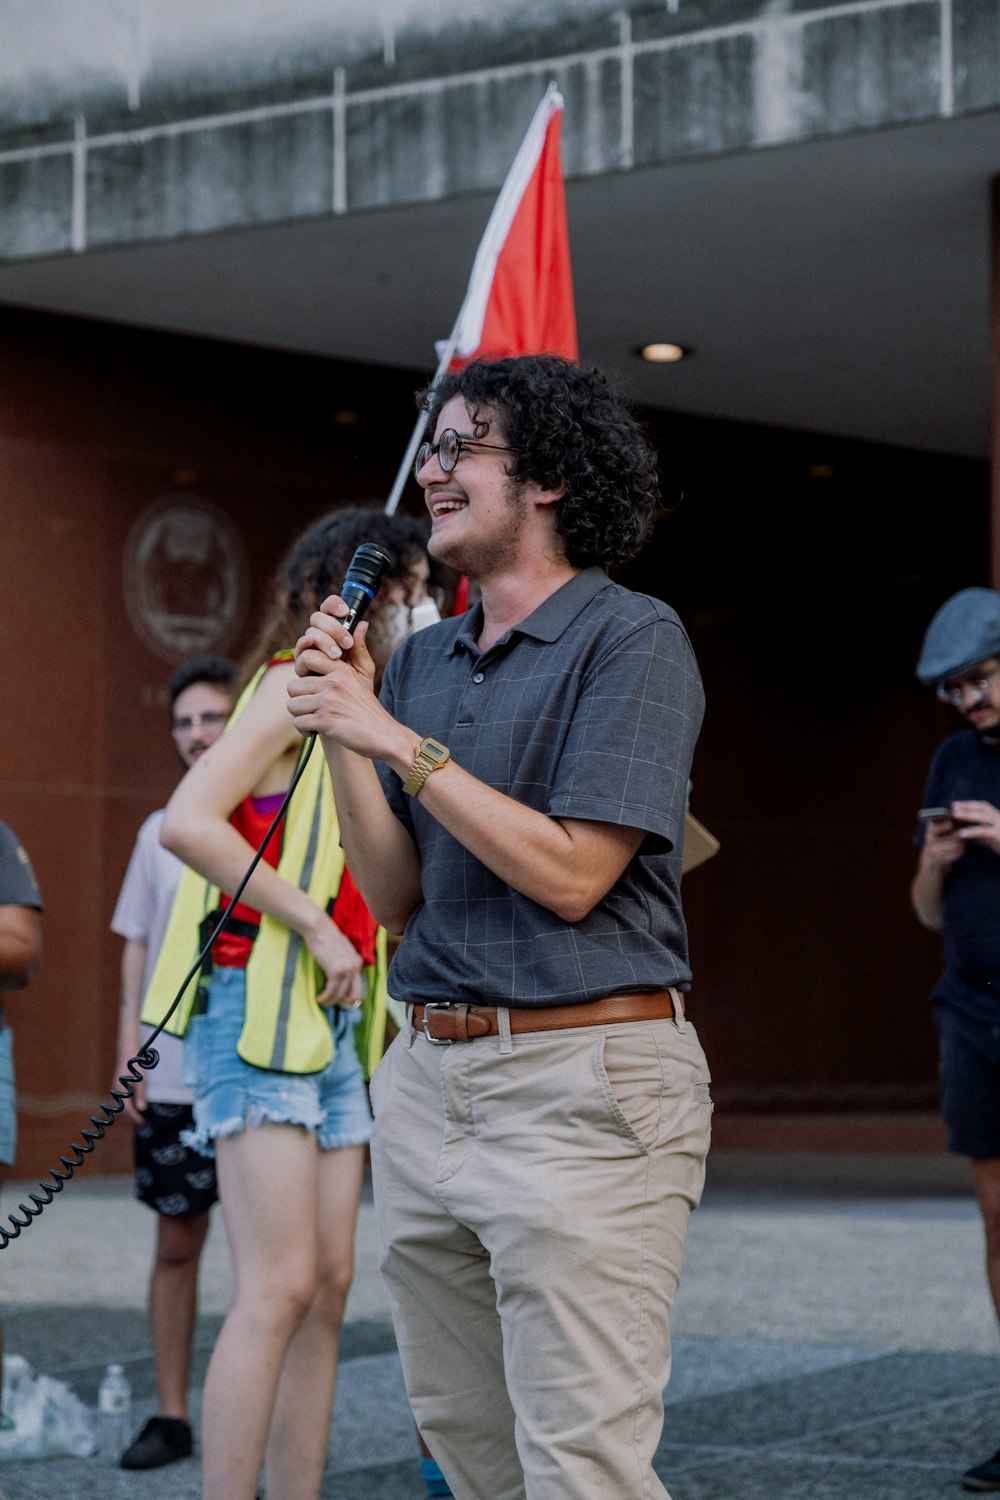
column 176, row 1182
column 956, row 891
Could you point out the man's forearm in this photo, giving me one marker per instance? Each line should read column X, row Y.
column 132, row 972
column 565, row 864
column 927, row 891
column 20, row 944
column 381, row 856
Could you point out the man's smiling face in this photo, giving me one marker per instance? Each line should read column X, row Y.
column 477, row 511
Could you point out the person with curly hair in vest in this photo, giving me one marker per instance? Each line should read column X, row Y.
column 280, row 1032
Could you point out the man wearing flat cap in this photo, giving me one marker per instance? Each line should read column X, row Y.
column 956, row 891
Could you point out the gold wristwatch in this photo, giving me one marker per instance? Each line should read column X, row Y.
column 431, row 756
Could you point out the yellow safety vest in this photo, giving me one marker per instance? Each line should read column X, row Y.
column 284, row 1028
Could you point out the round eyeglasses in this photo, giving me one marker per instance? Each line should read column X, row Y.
column 953, row 691
column 448, row 450
column 187, row 722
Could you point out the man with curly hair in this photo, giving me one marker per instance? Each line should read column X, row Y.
column 513, row 802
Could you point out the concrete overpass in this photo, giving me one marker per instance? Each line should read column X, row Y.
column 800, row 192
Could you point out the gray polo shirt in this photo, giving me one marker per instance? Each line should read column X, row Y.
column 589, row 709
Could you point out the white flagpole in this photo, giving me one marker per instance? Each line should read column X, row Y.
column 485, row 262
column 417, row 434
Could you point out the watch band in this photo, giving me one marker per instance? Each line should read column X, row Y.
column 431, row 756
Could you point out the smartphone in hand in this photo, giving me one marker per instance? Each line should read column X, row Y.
column 926, row 814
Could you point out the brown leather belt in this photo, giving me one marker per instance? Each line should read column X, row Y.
column 443, row 1024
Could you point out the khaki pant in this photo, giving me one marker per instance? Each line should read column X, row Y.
column 533, row 1195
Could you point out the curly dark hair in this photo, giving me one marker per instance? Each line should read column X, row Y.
column 569, row 426
column 314, row 567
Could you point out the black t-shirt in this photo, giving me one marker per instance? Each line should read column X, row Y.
column 965, row 769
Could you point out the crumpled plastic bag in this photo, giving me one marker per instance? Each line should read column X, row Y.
column 44, row 1418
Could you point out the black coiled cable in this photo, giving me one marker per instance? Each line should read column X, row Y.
column 144, row 1060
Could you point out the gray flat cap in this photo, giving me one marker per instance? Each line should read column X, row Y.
column 964, row 632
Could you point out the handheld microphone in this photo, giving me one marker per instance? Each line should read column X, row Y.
column 361, row 581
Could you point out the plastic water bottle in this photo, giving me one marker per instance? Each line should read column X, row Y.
column 114, row 1409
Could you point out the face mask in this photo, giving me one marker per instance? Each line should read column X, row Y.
column 391, row 628
column 397, row 621
column 423, row 614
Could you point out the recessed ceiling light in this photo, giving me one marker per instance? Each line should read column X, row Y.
column 664, row 354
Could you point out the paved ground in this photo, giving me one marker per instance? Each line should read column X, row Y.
column 833, row 1338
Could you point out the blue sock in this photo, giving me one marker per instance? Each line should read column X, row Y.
column 435, row 1481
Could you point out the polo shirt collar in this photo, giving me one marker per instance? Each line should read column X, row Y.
column 552, row 617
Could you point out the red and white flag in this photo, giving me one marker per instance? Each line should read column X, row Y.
column 520, row 294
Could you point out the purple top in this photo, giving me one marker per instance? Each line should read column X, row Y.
column 268, row 806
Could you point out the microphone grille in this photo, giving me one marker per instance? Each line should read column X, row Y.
column 368, row 565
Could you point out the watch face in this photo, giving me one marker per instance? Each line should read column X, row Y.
column 430, row 756
column 435, row 751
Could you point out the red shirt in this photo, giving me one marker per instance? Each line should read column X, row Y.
column 252, row 818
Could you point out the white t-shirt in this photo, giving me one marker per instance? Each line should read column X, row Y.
column 141, row 915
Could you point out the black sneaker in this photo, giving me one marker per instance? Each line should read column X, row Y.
column 985, row 1476
column 163, row 1440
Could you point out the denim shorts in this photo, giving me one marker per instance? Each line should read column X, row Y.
column 8, row 1103
column 230, row 1094
column 969, row 1080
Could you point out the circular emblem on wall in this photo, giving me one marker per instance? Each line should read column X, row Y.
column 184, row 577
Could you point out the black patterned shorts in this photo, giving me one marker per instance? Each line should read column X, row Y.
column 169, row 1176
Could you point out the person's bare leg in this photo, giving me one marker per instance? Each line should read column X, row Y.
column 297, row 1447
column 268, row 1189
column 986, row 1172
column 173, row 1306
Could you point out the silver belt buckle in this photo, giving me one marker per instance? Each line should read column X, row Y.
column 437, row 1041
